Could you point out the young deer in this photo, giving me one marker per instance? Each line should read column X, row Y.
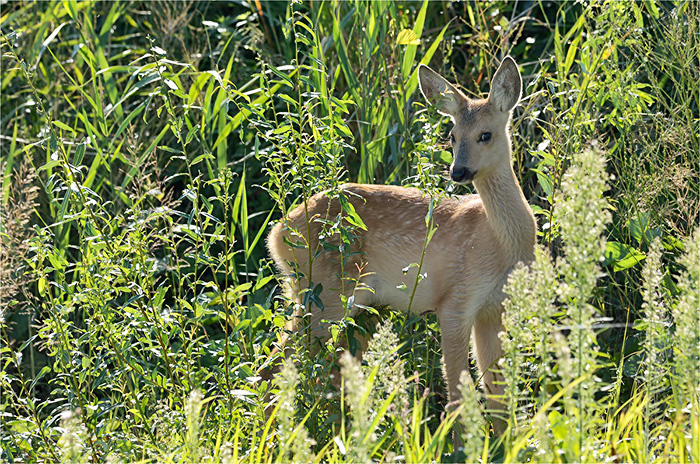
column 479, row 238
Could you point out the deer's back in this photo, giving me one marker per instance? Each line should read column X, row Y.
column 462, row 259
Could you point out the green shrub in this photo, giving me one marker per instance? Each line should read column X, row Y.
column 147, row 146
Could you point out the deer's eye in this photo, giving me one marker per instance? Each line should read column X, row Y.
column 452, row 138
column 485, row 137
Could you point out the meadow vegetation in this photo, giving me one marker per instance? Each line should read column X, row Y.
column 147, row 148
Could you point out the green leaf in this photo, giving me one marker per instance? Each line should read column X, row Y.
column 334, row 333
column 261, row 231
column 640, row 229
column 410, row 52
column 352, row 216
column 651, row 8
column 202, row 157
column 571, row 54
column 286, row 98
column 412, row 83
column 407, row 37
column 233, row 293
column 545, row 182
column 622, row 256
column 44, row 370
column 429, row 214
column 407, row 268
column 639, row 19
column 63, row 126
column 285, row 78
column 558, row 426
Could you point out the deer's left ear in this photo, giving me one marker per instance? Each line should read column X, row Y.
column 506, row 86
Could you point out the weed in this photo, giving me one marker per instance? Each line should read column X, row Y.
column 147, row 147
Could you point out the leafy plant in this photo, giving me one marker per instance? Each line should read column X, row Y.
column 146, row 147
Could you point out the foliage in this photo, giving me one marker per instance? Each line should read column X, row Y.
column 146, row 147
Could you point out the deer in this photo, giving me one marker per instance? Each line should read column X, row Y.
column 479, row 238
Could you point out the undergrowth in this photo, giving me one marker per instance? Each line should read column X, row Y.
column 147, row 147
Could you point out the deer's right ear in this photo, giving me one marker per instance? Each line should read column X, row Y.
column 440, row 93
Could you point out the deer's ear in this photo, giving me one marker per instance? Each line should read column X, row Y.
column 440, row 93
column 506, row 86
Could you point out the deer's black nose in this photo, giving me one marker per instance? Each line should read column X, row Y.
column 461, row 174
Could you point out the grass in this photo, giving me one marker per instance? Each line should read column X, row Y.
column 146, row 148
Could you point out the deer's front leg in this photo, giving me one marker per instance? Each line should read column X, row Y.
column 455, row 352
column 488, row 352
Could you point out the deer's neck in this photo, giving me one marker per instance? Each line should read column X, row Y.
column 508, row 213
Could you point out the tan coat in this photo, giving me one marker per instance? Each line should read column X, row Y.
column 479, row 238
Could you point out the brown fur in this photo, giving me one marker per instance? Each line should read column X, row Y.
column 479, row 238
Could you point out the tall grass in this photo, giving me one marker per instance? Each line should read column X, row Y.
column 146, row 147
